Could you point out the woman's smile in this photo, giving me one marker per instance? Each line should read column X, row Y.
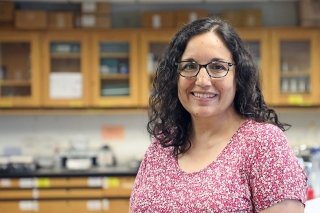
column 202, row 95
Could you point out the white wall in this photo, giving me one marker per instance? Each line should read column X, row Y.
column 305, row 128
column 40, row 134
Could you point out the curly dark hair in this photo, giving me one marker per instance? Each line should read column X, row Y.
column 169, row 122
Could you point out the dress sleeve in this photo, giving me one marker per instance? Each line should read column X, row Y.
column 142, row 173
column 275, row 173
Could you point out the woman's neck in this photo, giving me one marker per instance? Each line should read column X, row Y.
column 208, row 132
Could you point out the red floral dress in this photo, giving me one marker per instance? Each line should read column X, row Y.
column 256, row 170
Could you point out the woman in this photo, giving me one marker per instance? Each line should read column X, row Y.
column 216, row 146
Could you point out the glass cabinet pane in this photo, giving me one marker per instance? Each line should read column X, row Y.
column 295, row 66
column 156, row 51
column 114, row 69
column 65, row 70
column 254, row 48
column 15, row 69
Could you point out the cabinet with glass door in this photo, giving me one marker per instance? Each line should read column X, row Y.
column 153, row 45
column 19, row 69
column 295, row 67
column 257, row 42
column 66, row 69
column 114, row 71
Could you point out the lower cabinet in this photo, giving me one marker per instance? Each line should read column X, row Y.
column 78, row 195
column 63, row 206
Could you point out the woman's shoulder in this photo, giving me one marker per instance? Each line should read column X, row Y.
column 155, row 148
column 261, row 135
column 265, row 129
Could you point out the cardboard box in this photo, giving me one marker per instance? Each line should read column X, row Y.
column 60, row 20
column 6, row 11
column 309, row 12
column 128, row 19
column 251, row 18
column 30, row 19
column 95, row 21
column 186, row 16
column 96, row 7
column 160, row 19
column 233, row 17
column 243, row 18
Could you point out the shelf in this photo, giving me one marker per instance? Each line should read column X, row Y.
column 15, row 83
column 65, row 55
column 124, row 55
column 295, row 74
column 114, row 76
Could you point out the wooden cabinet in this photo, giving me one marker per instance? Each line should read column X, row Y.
column 115, row 68
column 19, row 69
column 294, row 65
column 66, row 70
column 114, row 71
column 62, row 195
column 257, row 41
column 69, row 69
column 153, row 44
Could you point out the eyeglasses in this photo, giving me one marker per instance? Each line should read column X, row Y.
column 215, row 69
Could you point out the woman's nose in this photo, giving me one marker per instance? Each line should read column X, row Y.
column 203, row 78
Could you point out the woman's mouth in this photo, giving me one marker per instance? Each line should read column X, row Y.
column 203, row 95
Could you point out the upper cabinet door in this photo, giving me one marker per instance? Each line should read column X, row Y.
column 114, row 70
column 66, row 72
column 295, row 67
column 19, row 69
column 153, row 46
column 257, row 42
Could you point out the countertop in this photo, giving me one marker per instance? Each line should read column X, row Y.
column 62, row 172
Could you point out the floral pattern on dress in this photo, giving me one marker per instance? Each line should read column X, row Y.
column 256, row 170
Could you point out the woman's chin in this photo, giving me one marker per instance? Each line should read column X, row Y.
column 203, row 113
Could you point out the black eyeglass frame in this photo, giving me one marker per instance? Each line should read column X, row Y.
column 205, row 66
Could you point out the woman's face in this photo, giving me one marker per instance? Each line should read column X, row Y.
column 203, row 96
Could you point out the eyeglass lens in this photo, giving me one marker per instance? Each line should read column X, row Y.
column 215, row 69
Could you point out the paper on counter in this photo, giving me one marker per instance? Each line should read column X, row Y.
column 65, row 85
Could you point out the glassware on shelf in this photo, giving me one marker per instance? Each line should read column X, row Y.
column 293, row 85
column 284, row 85
column 302, row 85
column 65, row 47
column 115, row 89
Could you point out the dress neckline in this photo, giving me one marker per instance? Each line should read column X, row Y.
column 219, row 157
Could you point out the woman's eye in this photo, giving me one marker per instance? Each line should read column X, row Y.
column 218, row 67
column 190, row 66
